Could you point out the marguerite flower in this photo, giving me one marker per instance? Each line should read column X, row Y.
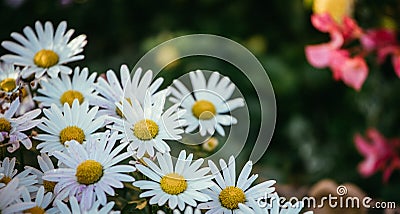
column 207, row 104
column 179, row 185
column 12, row 128
column 90, row 170
column 25, row 179
column 46, row 51
column 9, row 79
column 9, row 195
column 76, row 207
column 73, row 123
column 227, row 194
column 114, row 90
column 45, row 165
column 64, row 90
column 147, row 127
column 42, row 201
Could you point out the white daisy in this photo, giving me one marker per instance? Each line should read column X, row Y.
column 46, row 51
column 208, row 103
column 9, row 196
column 25, row 178
column 9, row 79
column 90, row 170
column 64, row 90
column 45, row 165
column 12, row 128
column 114, row 90
column 76, row 207
column 272, row 207
column 42, row 201
column 147, row 128
column 73, row 123
column 227, row 194
column 179, row 186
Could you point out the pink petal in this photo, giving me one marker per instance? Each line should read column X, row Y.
column 318, row 55
column 354, row 72
column 368, row 166
column 323, row 22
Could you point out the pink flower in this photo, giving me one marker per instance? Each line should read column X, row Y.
column 353, row 71
column 375, row 149
column 380, row 154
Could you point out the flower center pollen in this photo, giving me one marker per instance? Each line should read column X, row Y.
column 5, row 180
column 72, row 133
column 8, row 84
column 45, row 58
column 5, row 125
column 35, row 210
column 49, row 185
column 231, row 196
column 89, row 172
column 203, row 110
column 173, row 183
column 69, row 97
column 145, row 129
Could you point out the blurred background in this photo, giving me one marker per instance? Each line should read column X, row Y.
column 317, row 117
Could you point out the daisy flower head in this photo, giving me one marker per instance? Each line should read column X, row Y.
column 179, row 186
column 76, row 122
column 9, row 79
column 114, row 90
column 90, row 170
column 10, row 195
column 76, row 207
column 45, row 165
column 65, row 90
column 227, row 194
column 41, row 200
column 25, row 178
column 208, row 104
column 147, row 127
column 45, row 51
column 12, row 128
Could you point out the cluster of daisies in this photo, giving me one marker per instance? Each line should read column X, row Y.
column 94, row 135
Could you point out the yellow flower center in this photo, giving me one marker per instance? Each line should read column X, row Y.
column 49, row 185
column 89, row 172
column 5, row 180
column 69, row 97
column 72, row 133
column 145, row 129
column 8, row 84
column 231, row 196
column 173, row 183
column 45, row 58
column 35, row 210
column 203, row 110
column 5, row 125
column 118, row 111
